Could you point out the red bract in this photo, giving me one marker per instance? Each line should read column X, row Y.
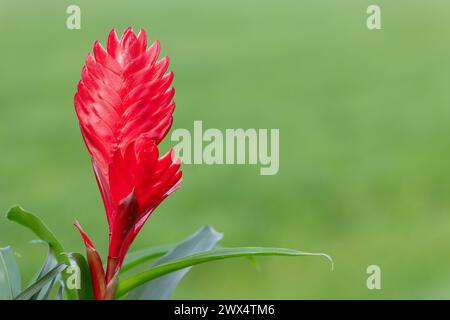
column 124, row 106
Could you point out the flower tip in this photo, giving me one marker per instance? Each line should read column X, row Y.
column 83, row 234
column 98, row 49
column 112, row 32
column 176, row 186
column 172, row 155
column 112, row 43
column 90, row 59
column 142, row 40
column 76, row 224
column 156, row 47
column 128, row 31
column 142, row 34
column 96, row 44
column 177, row 162
column 170, row 75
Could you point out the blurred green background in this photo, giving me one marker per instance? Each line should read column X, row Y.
column 364, row 119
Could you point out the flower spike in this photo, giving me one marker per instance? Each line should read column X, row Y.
column 124, row 103
column 123, row 93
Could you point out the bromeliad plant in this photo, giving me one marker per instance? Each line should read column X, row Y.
column 124, row 104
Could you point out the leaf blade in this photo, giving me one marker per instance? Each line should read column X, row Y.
column 59, row 293
column 162, row 288
column 86, row 291
column 10, row 278
column 32, row 222
column 136, row 258
column 212, row 255
column 49, row 277
column 49, row 263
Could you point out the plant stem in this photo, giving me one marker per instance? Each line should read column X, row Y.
column 111, row 278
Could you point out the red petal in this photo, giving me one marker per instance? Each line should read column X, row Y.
column 103, row 185
column 120, row 179
column 95, row 265
column 124, row 221
column 124, row 93
column 140, row 174
column 113, row 44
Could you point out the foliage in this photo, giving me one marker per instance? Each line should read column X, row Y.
column 156, row 282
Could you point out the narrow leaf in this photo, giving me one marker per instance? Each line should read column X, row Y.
column 28, row 293
column 49, row 264
column 59, row 294
column 86, row 291
column 10, row 280
column 163, row 287
column 216, row 254
column 32, row 222
column 136, row 258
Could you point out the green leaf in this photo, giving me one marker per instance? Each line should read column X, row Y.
column 163, row 287
column 50, row 263
column 216, row 254
column 49, row 277
column 32, row 222
column 136, row 258
column 59, row 294
column 10, row 280
column 86, row 291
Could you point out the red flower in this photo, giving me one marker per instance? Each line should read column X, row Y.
column 124, row 106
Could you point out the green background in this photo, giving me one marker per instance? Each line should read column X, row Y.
column 364, row 126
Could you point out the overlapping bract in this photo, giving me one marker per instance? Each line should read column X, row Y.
column 124, row 106
column 123, row 93
column 138, row 181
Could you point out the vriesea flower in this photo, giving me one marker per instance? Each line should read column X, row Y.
column 124, row 106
